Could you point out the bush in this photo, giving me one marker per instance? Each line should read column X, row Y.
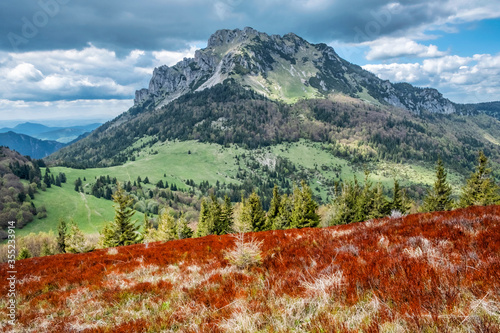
column 245, row 254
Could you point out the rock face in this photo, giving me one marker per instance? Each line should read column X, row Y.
column 284, row 68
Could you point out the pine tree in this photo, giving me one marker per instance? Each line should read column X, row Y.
column 122, row 231
column 253, row 214
column 480, row 189
column 400, row 201
column 282, row 221
column 45, row 250
column 274, row 207
column 304, row 208
column 202, row 229
column 75, row 241
column 214, row 225
column 61, row 238
column 226, row 217
column 167, row 229
column 380, row 205
column 183, row 230
column 439, row 198
column 24, row 254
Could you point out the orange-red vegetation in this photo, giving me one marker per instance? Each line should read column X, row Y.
column 434, row 271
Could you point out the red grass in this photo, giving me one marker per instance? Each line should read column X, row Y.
column 424, row 269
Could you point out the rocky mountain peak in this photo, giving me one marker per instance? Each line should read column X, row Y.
column 226, row 36
column 285, row 68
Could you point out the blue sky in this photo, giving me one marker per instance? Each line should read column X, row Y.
column 82, row 60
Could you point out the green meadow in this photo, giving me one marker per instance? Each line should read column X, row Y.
column 176, row 162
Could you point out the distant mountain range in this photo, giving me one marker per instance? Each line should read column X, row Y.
column 59, row 134
column 39, row 141
column 30, row 146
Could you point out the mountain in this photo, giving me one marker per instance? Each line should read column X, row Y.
column 284, row 68
column 435, row 272
column 60, row 134
column 256, row 90
column 27, row 145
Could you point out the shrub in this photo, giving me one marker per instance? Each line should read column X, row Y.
column 245, row 254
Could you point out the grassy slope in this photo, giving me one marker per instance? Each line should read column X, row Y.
column 434, row 272
column 206, row 162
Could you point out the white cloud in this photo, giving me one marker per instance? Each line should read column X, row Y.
column 462, row 79
column 90, row 73
column 23, row 72
column 386, row 48
column 170, row 58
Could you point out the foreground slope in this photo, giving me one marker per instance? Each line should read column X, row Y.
column 424, row 272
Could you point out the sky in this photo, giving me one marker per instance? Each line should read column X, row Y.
column 80, row 61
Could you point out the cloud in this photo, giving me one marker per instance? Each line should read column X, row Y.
column 154, row 25
column 89, row 73
column 462, row 79
column 387, row 48
column 72, row 112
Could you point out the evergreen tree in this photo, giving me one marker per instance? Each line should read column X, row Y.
column 253, row 214
column 345, row 204
column 439, row 198
column 122, row 231
column 75, row 241
column 45, row 250
column 61, row 238
column 183, row 230
column 46, row 178
column 380, row 205
column 304, row 208
column 214, row 217
column 202, row 228
column 480, row 189
column 400, row 201
column 274, row 207
column 24, row 254
column 167, row 229
column 226, row 217
column 282, row 221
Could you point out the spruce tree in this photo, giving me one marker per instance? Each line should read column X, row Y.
column 61, row 238
column 274, row 207
column 226, row 217
column 380, row 205
column 282, row 221
column 24, row 254
column 400, row 201
column 75, row 240
column 480, row 189
column 439, row 198
column 253, row 214
column 183, row 230
column 304, row 208
column 202, row 228
column 122, row 231
column 167, row 229
column 214, row 224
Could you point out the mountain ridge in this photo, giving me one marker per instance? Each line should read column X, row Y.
column 258, row 61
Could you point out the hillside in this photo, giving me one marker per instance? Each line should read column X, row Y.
column 30, row 146
column 424, row 272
